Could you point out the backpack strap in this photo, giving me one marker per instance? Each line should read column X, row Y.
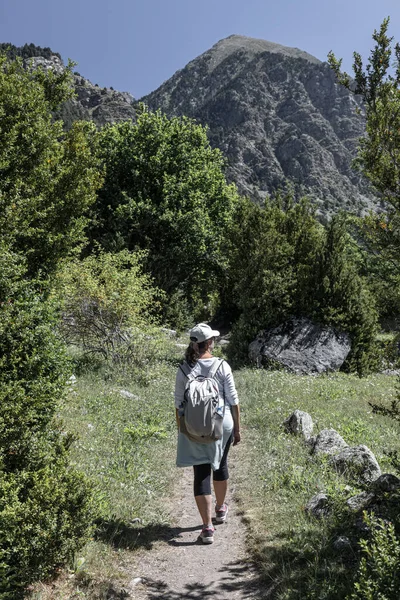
column 215, row 368
column 187, row 370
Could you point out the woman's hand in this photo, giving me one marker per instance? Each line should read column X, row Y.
column 236, row 437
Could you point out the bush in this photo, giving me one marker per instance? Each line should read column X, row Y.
column 44, row 516
column 46, row 508
column 110, row 309
column 378, row 575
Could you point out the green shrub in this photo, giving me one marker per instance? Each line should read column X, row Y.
column 378, row 576
column 110, row 308
column 44, row 516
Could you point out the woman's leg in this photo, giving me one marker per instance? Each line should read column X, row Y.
column 202, row 492
column 221, row 476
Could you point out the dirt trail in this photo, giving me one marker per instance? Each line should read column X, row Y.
column 179, row 566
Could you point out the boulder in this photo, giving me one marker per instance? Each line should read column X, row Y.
column 358, row 462
column 298, row 423
column 328, row 441
column 361, row 501
column 318, row 505
column 301, row 346
column 386, row 483
column 342, row 544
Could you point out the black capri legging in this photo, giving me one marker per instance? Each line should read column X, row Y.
column 202, row 473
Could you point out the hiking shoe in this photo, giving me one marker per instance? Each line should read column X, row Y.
column 220, row 513
column 207, row 535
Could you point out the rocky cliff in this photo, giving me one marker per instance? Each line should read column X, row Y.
column 278, row 116
column 92, row 103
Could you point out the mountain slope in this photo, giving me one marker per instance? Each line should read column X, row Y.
column 278, row 116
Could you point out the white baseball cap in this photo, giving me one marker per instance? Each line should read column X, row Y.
column 202, row 332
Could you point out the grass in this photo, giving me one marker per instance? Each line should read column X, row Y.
column 125, row 442
column 127, row 445
column 277, row 476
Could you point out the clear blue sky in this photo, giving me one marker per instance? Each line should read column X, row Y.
column 135, row 45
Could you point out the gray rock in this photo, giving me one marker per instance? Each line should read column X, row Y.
column 301, row 346
column 386, row 483
column 357, row 462
column 361, row 501
column 127, row 394
column 278, row 115
column 169, row 332
column 299, row 422
column 328, row 441
column 318, row 505
column 342, row 544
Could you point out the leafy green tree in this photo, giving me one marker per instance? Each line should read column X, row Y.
column 165, row 192
column 272, row 252
column 284, row 263
column 379, row 159
column 47, row 182
column 343, row 298
column 48, row 178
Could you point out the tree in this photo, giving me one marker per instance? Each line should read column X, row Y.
column 284, row 263
column 272, row 257
column 48, row 178
column 379, row 160
column 47, row 182
column 165, row 192
column 379, row 151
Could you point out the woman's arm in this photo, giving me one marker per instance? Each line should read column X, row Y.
column 236, row 423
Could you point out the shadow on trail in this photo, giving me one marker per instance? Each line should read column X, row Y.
column 233, row 582
column 119, row 534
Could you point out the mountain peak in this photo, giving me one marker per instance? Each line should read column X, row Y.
column 253, row 46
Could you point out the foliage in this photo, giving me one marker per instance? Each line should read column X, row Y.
column 47, row 182
column 26, row 51
column 110, row 309
column 164, row 192
column 48, row 179
column 378, row 574
column 343, row 297
column 283, row 263
column 378, row 239
column 379, row 160
column 272, row 254
column 45, row 506
column 379, row 151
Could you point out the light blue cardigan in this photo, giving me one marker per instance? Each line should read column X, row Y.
column 191, row 453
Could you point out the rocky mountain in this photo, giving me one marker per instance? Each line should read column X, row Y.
column 278, row 116
column 276, row 113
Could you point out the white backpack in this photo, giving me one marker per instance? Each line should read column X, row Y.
column 203, row 411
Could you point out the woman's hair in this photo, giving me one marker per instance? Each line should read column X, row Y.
column 194, row 350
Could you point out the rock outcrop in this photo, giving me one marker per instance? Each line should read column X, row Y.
column 278, row 115
column 92, row 103
column 301, row 346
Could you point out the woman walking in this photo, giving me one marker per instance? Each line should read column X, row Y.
column 207, row 457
